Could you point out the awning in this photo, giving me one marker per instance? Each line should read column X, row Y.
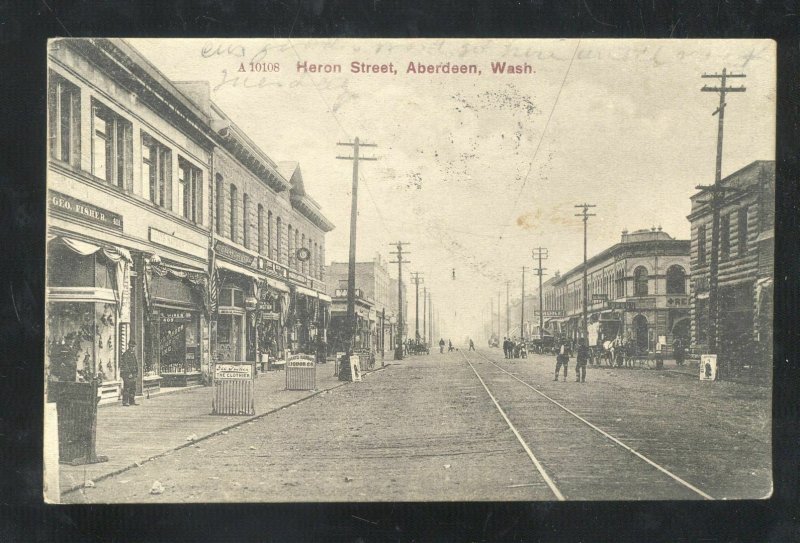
column 278, row 285
column 306, row 291
column 221, row 264
column 324, row 297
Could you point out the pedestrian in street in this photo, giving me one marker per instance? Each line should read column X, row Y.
column 449, row 346
column 679, row 351
column 441, row 345
column 581, row 359
column 505, row 346
column 129, row 368
column 471, row 345
column 562, row 359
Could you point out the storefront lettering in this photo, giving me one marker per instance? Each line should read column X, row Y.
column 234, row 254
column 77, row 208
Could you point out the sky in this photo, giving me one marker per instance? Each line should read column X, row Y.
column 475, row 170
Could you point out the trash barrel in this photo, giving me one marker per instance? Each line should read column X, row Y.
column 76, row 405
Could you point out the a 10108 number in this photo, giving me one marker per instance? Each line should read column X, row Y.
column 265, row 67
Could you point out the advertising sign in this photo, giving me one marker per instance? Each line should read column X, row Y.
column 708, row 367
column 355, row 368
column 233, row 371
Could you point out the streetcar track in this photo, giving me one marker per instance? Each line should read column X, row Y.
column 533, row 458
column 587, row 423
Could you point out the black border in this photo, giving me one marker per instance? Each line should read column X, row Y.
column 24, row 28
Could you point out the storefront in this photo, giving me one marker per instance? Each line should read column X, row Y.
column 85, row 325
column 176, row 322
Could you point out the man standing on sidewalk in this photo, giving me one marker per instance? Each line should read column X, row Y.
column 129, row 368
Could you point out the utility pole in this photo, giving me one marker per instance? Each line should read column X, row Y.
column 491, row 314
column 717, row 193
column 498, row 314
column 522, row 308
column 344, row 375
column 541, row 253
column 398, row 351
column 424, row 313
column 417, row 280
column 508, row 313
column 585, row 214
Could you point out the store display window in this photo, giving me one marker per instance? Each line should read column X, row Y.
column 81, row 341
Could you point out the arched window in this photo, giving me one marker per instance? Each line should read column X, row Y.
column 234, row 212
column 640, row 281
column 676, row 280
column 219, row 210
column 260, row 230
column 246, row 220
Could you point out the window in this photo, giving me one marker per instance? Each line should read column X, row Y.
column 303, row 244
column 231, row 297
column 234, row 211
column 741, row 232
column 725, row 237
column 269, row 235
column 640, row 281
column 112, row 147
column 64, row 104
column 156, row 171
column 190, row 191
column 260, row 230
column 676, row 280
column 278, row 226
column 701, row 245
column 246, row 220
column 220, row 206
column 296, row 246
column 289, row 243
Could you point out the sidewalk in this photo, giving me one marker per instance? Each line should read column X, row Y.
column 162, row 423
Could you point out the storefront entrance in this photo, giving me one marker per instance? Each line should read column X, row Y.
column 640, row 337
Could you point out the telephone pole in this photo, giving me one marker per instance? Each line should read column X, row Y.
column 398, row 351
column 542, row 254
column 344, row 375
column 522, row 308
column 508, row 317
column 417, row 280
column 585, row 214
column 430, row 317
column 717, row 193
column 424, row 313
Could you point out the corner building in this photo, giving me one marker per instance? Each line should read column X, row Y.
column 637, row 289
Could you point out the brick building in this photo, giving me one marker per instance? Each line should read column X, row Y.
column 637, row 288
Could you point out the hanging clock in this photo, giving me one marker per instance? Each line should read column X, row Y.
column 303, row 254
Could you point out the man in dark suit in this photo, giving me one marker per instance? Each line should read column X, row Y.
column 129, row 369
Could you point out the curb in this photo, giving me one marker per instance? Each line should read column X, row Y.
column 140, row 463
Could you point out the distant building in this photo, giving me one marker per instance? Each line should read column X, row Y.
column 745, row 276
column 376, row 322
column 637, row 288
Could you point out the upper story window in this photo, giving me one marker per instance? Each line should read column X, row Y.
column 269, row 234
column 741, row 232
column 278, row 226
column 260, row 230
column 725, row 236
column 640, row 281
column 289, row 246
column 112, row 146
column 190, row 191
column 234, row 209
column 246, row 220
column 220, row 204
column 156, row 171
column 701, row 245
column 676, row 280
column 64, row 127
